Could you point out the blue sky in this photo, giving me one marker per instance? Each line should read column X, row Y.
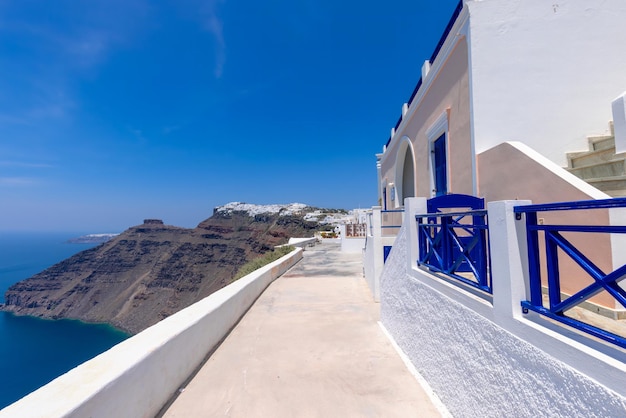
column 112, row 111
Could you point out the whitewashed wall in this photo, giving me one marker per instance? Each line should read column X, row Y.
column 487, row 359
column 354, row 245
column 369, row 266
column 545, row 72
column 373, row 253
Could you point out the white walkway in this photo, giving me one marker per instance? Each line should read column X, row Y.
column 309, row 347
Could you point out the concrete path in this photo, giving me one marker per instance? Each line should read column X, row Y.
column 309, row 347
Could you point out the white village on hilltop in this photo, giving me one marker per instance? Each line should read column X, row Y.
column 488, row 281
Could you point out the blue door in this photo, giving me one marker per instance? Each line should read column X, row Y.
column 441, row 169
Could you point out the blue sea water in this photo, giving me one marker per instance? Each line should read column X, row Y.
column 35, row 351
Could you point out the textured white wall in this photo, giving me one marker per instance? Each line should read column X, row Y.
column 545, row 72
column 476, row 367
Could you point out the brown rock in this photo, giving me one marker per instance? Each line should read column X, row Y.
column 152, row 270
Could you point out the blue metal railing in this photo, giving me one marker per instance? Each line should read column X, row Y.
column 446, row 32
column 455, row 243
column 554, row 240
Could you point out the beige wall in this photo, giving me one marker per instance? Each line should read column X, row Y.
column 447, row 91
column 505, row 172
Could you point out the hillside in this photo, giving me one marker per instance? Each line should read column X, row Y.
column 152, row 270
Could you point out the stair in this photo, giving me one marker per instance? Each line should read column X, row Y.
column 601, row 166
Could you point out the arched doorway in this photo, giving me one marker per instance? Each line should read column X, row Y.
column 405, row 171
column 408, row 181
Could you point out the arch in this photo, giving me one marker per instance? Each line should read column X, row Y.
column 405, row 171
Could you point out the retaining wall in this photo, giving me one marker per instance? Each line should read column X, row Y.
column 137, row 377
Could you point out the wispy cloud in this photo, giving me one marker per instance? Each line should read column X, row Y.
column 214, row 25
column 138, row 134
column 53, row 49
column 206, row 13
column 169, row 129
column 21, row 173
column 11, row 119
column 17, row 181
column 23, row 164
column 90, row 48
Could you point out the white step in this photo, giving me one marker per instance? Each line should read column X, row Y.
column 586, row 158
column 609, row 185
column 600, row 170
column 601, row 142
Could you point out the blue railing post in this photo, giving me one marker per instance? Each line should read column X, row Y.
column 554, row 282
column 446, row 245
column 421, row 240
column 534, row 276
column 482, row 262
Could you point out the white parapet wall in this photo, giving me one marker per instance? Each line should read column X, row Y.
column 302, row 242
column 373, row 252
column 486, row 357
column 137, row 377
column 354, row 245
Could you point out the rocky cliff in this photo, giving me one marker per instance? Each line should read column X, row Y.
column 153, row 270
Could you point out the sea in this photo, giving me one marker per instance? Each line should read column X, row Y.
column 35, row 351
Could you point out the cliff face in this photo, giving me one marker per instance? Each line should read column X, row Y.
column 153, row 270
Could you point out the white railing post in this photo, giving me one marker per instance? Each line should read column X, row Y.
column 377, row 250
column 369, row 264
column 413, row 206
column 376, row 221
column 509, row 257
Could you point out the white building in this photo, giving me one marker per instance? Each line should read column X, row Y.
column 512, row 88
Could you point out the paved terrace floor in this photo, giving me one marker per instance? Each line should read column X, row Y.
column 309, row 347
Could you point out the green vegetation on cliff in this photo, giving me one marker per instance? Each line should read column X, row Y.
column 263, row 260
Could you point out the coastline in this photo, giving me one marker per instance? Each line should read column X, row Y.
column 103, row 325
column 38, row 349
